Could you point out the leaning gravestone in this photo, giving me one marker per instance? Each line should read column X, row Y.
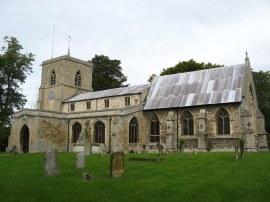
column 51, row 163
column 160, row 149
column 117, row 164
column 80, row 160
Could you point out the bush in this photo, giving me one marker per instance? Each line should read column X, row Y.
column 181, row 144
column 209, row 146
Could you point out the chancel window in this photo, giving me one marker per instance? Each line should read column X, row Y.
column 133, row 130
column 99, row 132
column 76, row 130
column 78, row 79
column 223, row 122
column 155, row 132
column 53, row 78
column 188, row 124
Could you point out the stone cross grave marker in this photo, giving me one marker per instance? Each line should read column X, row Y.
column 51, row 163
column 80, row 160
column 117, row 164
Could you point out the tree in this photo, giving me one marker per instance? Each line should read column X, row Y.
column 188, row 66
column 151, row 78
column 107, row 73
column 262, row 85
column 14, row 67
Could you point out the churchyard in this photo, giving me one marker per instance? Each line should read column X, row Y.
column 179, row 177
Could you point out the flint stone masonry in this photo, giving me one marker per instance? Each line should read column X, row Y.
column 117, row 164
column 51, row 163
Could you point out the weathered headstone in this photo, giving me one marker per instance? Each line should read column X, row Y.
column 117, row 164
column 87, row 147
column 102, row 149
column 80, row 160
column 13, row 150
column 160, row 149
column 87, row 177
column 51, row 163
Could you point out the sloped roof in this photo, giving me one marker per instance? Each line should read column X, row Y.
column 210, row 86
column 109, row 93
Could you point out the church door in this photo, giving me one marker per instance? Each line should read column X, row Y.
column 25, row 139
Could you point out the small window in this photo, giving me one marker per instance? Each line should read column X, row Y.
column 88, row 105
column 78, row 79
column 72, row 106
column 127, row 101
column 106, row 103
column 154, row 136
column 188, row 124
column 133, row 130
column 53, row 78
column 223, row 122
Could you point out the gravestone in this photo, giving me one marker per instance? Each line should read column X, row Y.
column 80, row 160
column 51, row 163
column 102, row 149
column 87, row 177
column 87, row 147
column 117, row 164
column 160, row 149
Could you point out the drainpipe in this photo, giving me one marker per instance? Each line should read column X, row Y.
column 68, row 137
column 110, row 131
column 177, row 138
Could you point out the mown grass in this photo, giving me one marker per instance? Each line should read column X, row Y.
column 180, row 177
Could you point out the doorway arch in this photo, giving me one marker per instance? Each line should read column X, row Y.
column 25, row 139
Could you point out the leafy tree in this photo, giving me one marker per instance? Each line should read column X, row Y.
column 151, row 78
column 14, row 67
column 188, row 66
column 107, row 73
column 262, row 85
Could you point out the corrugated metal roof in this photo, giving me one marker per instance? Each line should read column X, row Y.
column 210, row 86
column 109, row 93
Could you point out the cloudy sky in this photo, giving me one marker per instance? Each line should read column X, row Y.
column 146, row 35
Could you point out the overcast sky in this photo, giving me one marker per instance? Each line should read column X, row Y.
column 146, row 35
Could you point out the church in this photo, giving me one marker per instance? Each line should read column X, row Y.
column 206, row 109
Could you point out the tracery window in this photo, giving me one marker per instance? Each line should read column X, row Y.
column 133, row 130
column 223, row 122
column 99, row 132
column 155, row 132
column 188, row 123
column 53, row 78
column 76, row 130
column 78, row 79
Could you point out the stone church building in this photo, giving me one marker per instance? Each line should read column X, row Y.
column 209, row 107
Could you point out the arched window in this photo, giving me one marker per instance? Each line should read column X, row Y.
column 188, row 123
column 223, row 122
column 53, row 78
column 99, row 132
column 154, row 135
column 76, row 130
column 25, row 139
column 133, row 130
column 78, row 79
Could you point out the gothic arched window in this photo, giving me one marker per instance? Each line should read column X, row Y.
column 154, row 135
column 53, row 78
column 133, row 130
column 223, row 122
column 188, row 124
column 99, row 132
column 78, row 79
column 76, row 130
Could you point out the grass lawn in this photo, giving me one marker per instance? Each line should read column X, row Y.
column 180, row 177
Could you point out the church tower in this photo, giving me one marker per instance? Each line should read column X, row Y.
column 61, row 78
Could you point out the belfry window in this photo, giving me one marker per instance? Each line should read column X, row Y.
column 133, row 130
column 78, row 79
column 188, row 123
column 53, row 78
column 154, row 136
column 223, row 122
column 99, row 132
